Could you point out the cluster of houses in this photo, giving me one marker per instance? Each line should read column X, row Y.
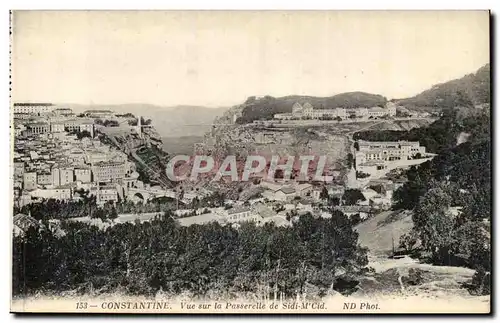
column 56, row 154
column 279, row 200
column 378, row 157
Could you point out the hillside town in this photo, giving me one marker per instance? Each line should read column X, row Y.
column 61, row 156
column 259, row 162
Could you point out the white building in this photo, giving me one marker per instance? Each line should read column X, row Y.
column 285, row 194
column 62, row 194
column 29, row 180
column 309, row 112
column 103, row 114
column 304, row 189
column 106, row 194
column 62, row 175
column 44, row 179
column 36, row 128
column 33, row 108
column 108, row 171
column 77, row 124
column 83, row 175
column 387, row 150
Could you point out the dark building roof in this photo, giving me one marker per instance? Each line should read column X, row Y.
column 24, row 221
column 287, row 190
column 238, row 210
column 31, row 104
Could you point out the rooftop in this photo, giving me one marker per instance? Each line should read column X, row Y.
column 238, row 210
column 25, row 104
column 287, row 190
column 199, row 219
column 25, row 221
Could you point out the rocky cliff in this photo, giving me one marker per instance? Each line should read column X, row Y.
column 144, row 148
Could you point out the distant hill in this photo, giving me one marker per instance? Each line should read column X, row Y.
column 266, row 107
column 472, row 89
column 177, row 121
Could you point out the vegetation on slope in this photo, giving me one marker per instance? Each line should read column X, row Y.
column 442, row 134
column 315, row 256
column 459, row 179
column 473, row 88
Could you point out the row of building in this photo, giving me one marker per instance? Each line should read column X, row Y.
column 375, row 157
column 68, row 125
column 22, row 109
column 307, row 111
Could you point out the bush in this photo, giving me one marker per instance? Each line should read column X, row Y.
column 362, row 175
column 414, row 277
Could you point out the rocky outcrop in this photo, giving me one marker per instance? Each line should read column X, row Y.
column 145, row 149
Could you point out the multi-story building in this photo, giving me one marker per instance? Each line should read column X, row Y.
column 62, row 175
column 18, row 129
column 241, row 214
column 36, row 128
column 377, row 112
column 57, row 127
column 33, row 108
column 387, row 150
column 44, row 179
column 360, row 112
column 108, row 171
column 391, row 108
column 106, row 194
column 63, row 112
column 61, row 193
column 308, row 111
column 18, row 168
column 83, row 175
column 29, row 180
column 78, row 125
column 104, row 114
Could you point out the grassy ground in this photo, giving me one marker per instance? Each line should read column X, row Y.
column 378, row 232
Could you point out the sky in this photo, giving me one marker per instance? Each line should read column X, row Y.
column 217, row 58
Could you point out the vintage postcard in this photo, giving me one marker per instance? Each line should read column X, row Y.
column 251, row 162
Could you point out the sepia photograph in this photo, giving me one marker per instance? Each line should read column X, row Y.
column 250, row 162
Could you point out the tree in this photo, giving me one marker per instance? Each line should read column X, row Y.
column 82, row 134
column 355, row 219
column 433, row 224
column 362, row 175
column 407, row 241
column 113, row 214
column 111, row 123
column 324, row 194
column 350, row 160
column 463, row 100
column 352, row 196
column 334, row 201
